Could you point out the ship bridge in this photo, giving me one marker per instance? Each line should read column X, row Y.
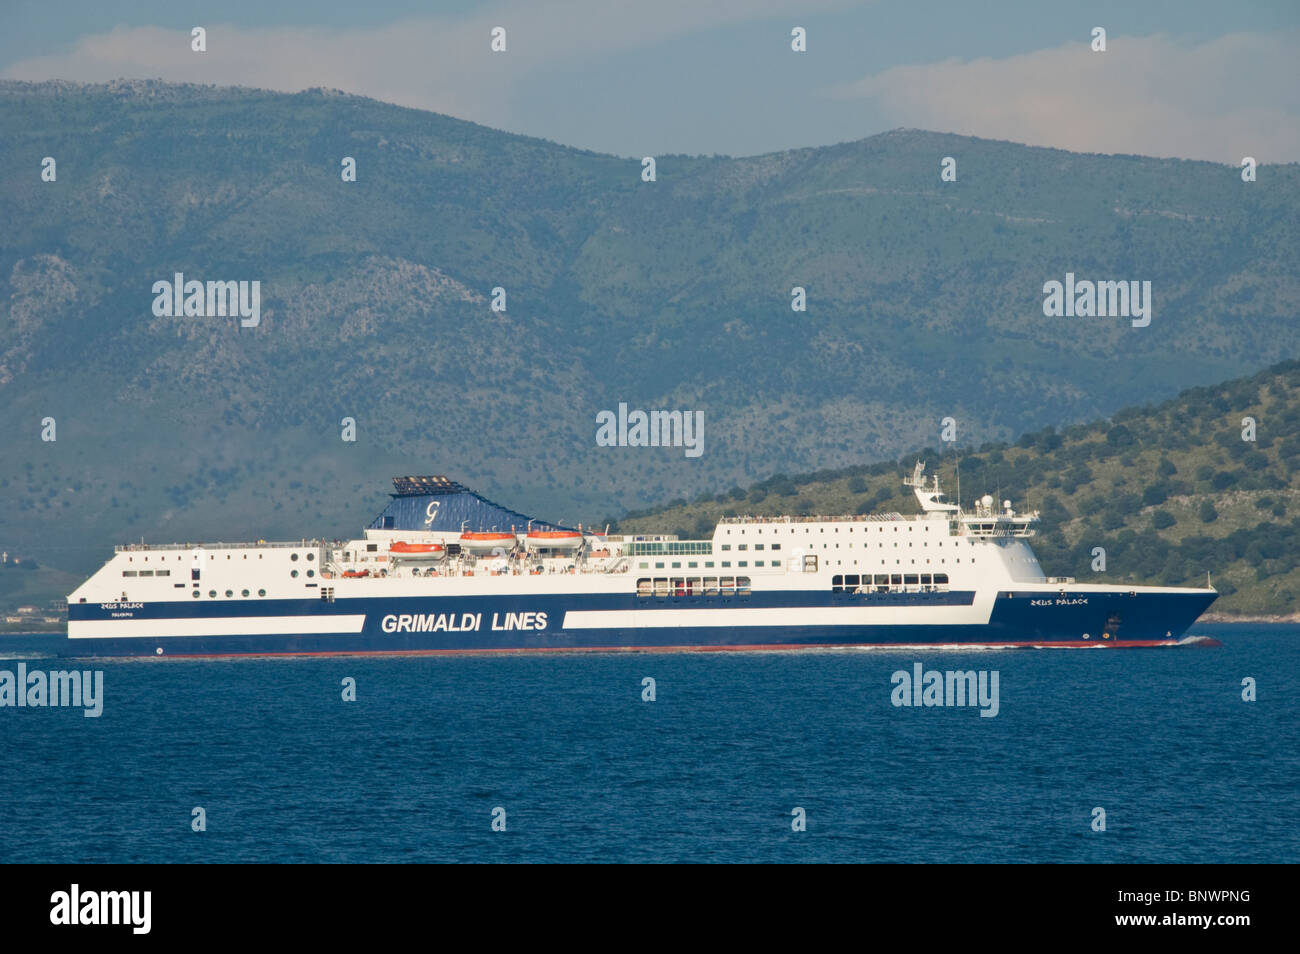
column 986, row 520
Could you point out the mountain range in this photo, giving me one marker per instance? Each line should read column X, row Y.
column 925, row 302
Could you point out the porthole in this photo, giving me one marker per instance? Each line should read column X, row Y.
column 196, row 594
column 293, row 556
column 293, row 573
column 261, row 592
column 311, row 572
column 229, row 593
column 311, row 556
column 245, row 592
column 212, row 593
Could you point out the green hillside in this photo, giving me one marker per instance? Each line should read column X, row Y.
column 1171, row 492
column 924, row 300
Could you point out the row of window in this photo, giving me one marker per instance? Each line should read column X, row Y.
column 146, row 572
column 745, row 546
column 896, row 524
column 708, row 564
column 672, row 548
column 229, row 593
column 693, row 586
column 213, row 556
column 850, row 582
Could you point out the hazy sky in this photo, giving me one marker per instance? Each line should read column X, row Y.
column 1193, row 79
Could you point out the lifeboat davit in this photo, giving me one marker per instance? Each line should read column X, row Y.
column 486, row 542
column 555, row 539
column 417, row 552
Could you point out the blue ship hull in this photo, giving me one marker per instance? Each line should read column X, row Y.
column 481, row 624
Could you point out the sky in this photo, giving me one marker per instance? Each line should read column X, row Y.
column 1192, row 79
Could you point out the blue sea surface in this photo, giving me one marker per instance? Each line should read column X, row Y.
column 712, row 770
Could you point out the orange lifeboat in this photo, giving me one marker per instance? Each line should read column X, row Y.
column 355, row 574
column 555, row 539
column 400, row 547
column 416, row 552
column 481, row 542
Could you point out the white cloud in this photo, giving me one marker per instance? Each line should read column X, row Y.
column 441, row 64
column 1219, row 100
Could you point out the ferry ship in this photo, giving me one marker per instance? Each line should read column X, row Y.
column 444, row 570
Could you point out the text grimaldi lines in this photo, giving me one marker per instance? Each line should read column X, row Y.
column 464, row 623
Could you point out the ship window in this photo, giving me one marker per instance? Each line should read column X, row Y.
column 726, row 563
column 837, row 582
column 758, row 546
column 643, row 566
column 851, row 580
column 312, row 556
column 692, row 564
column 896, row 579
column 311, row 572
column 164, row 573
column 244, row 592
column 659, row 566
column 146, row 572
column 758, row 563
column 230, row 593
column 212, row 594
column 926, row 579
column 726, row 546
column 708, row 564
column 261, row 592
column 128, row 572
column 911, row 579
column 776, row 546
column 743, row 546
column 194, row 574
column 743, row 563
column 293, row 573
column 677, row 564
column 370, row 548
column 941, row 578
column 776, row 562
column 196, row 594
column 293, row 556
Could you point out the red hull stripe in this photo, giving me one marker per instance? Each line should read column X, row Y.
column 786, row 647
